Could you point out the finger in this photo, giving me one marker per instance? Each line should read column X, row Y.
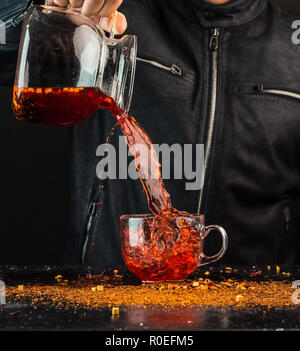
column 120, row 23
column 92, row 7
column 62, row 3
column 76, row 3
column 109, row 7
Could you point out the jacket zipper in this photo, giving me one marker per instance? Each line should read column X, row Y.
column 213, row 47
column 91, row 213
column 174, row 69
column 261, row 89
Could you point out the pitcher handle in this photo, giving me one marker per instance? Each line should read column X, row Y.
column 209, row 259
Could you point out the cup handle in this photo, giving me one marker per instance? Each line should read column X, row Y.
column 216, row 257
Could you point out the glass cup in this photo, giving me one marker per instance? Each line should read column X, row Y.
column 170, row 251
column 67, row 68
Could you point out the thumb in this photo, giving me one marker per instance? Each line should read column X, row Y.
column 120, row 23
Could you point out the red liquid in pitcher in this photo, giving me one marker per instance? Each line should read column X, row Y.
column 59, row 106
column 173, row 252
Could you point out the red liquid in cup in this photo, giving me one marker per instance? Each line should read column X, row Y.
column 69, row 106
column 162, row 250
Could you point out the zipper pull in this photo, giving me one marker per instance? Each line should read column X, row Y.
column 91, row 210
column 258, row 88
column 176, row 70
column 214, row 39
column 91, row 213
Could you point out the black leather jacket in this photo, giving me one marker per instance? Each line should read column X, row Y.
column 236, row 83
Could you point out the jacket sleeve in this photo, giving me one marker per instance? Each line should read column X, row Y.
column 11, row 15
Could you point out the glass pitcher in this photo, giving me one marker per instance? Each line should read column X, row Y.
column 67, row 68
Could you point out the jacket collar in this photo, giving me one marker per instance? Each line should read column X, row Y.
column 232, row 13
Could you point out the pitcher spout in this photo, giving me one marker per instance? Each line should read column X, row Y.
column 117, row 70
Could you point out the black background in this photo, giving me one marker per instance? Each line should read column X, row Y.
column 34, row 189
column 34, row 174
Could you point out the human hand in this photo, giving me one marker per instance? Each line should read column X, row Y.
column 100, row 11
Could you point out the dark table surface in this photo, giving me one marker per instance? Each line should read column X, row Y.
column 43, row 316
